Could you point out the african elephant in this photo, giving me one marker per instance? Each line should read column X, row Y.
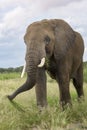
column 53, row 46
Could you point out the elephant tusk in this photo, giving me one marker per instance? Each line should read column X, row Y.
column 23, row 71
column 42, row 62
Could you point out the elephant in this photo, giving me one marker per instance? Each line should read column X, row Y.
column 52, row 46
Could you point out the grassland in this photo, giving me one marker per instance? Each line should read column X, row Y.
column 7, row 76
column 23, row 114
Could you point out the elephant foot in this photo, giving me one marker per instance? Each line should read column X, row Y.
column 81, row 99
column 64, row 105
column 41, row 108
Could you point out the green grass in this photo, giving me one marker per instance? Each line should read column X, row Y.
column 23, row 114
column 9, row 75
column 85, row 74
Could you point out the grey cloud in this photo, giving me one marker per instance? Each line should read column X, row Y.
column 56, row 3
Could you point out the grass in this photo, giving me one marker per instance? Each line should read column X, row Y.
column 85, row 74
column 23, row 114
column 9, row 75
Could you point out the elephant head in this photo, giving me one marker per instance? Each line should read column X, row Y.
column 43, row 40
column 39, row 42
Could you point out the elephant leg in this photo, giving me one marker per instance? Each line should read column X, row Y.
column 26, row 86
column 41, row 90
column 78, row 82
column 63, row 80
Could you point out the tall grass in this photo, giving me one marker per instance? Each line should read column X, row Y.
column 23, row 114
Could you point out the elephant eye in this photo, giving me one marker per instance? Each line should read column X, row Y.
column 47, row 39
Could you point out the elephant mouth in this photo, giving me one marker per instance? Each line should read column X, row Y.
column 42, row 63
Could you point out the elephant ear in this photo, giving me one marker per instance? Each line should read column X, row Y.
column 64, row 38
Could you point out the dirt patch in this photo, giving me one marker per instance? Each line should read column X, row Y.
column 76, row 126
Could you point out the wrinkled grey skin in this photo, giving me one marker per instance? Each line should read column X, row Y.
column 63, row 49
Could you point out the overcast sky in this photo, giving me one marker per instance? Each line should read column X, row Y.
column 16, row 15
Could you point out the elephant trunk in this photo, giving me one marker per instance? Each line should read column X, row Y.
column 35, row 57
